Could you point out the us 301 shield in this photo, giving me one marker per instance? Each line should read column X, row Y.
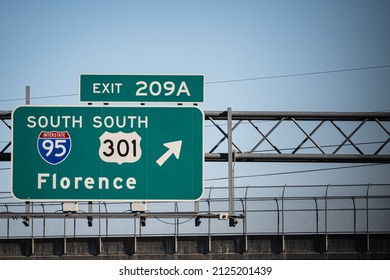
column 120, row 147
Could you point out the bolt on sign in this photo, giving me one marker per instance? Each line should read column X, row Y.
column 107, row 153
column 141, row 88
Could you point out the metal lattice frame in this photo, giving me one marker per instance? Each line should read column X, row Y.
column 280, row 153
column 320, row 153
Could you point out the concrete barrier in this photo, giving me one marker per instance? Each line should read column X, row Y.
column 347, row 246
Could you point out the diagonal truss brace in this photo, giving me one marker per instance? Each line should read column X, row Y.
column 265, row 137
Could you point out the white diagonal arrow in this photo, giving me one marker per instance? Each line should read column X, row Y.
column 173, row 148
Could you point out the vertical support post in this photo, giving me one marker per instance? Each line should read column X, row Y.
column 135, row 234
column 44, row 222
column 7, row 228
column 65, row 252
column 230, row 162
column 176, row 228
column 367, row 227
column 6, row 207
column 354, row 215
column 105, row 208
column 209, row 220
column 315, row 201
column 283, row 241
column 326, row 218
column 74, row 227
column 277, row 215
column 245, row 219
column 32, row 231
column 140, row 226
column 27, row 95
column 245, row 227
column 100, row 232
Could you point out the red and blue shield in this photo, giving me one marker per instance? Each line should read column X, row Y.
column 54, row 146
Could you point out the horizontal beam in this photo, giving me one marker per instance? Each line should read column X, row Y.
column 252, row 157
column 257, row 157
column 62, row 215
column 270, row 115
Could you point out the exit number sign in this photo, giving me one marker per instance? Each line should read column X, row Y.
column 141, row 88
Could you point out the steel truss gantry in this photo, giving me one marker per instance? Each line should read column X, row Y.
column 343, row 126
column 293, row 129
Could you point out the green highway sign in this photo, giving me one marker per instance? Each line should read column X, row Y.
column 141, row 88
column 107, row 153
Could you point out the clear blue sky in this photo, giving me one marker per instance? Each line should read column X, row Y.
column 47, row 44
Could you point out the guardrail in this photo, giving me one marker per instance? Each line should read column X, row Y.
column 275, row 210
